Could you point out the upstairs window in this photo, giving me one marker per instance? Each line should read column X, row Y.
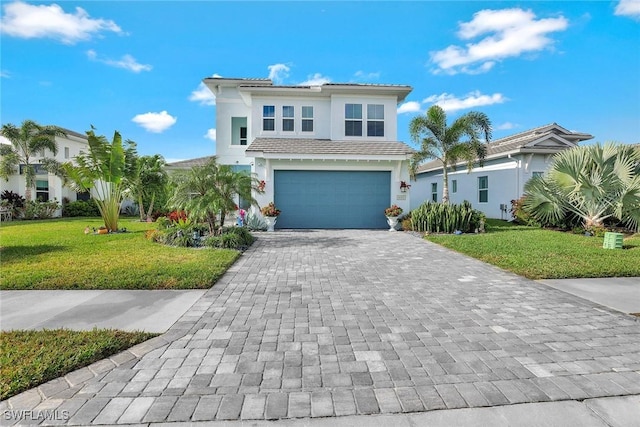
column 287, row 118
column 375, row 120
column 353, row 120
column 307, row 119
column 268, row 117
column 483, row 189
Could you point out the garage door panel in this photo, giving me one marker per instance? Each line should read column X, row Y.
column 332, row 199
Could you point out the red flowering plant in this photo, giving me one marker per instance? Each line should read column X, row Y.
column 270, row 210
column 394, row 210
column 261, row 186
column 176, row 216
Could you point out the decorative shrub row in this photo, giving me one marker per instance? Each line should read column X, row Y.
column 434, row 217
column 80, row 208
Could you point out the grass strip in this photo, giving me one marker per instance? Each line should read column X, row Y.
column 31, row 358
column 545, row 254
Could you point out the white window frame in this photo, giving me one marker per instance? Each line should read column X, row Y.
column 375, row 115
column 288, row 118
column 434, row 191
column 484, row 190
column 454, row 186
column 352, row 120
column 270, row 118
column 307, row 118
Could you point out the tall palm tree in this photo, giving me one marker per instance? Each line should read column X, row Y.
column 105, row 169
column 205, row 191
column 595, row 182
column 442, row 142
column 149, row 181
column 26, row 142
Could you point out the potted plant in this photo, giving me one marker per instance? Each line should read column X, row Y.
column 392, row 213
column 270, row 213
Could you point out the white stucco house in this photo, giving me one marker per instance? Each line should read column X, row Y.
column 328, row 155
column 510, row 162
column 48, row 185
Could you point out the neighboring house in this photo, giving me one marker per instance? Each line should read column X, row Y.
column 510, row 162
column 328, row 155
column 188, row 164
column 49, row 186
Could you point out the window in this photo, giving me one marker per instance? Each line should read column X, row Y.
column 454, row 186
column 243, row 135
column 483, row 189
column 66, row 152
column 353, row 120
column 307, row 119
column 434, row 191
column 540, row 174
column 375, row 120
column 268, row 117
column 287, row 118
column 42, row 190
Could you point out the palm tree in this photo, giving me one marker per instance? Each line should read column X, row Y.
column 205, row 191
column 26, row 142
column 437, row 141
column 148, row 182
column 594, row 182
column 105, row 169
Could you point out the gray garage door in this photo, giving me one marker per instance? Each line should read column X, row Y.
column 332, row 199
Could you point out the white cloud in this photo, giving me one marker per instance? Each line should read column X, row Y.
column 450, row 102
column 278, row 72
column 211, row 134
column 155, row 122
column 316, row 79
column 5, row 74
column 507, row 126
column 361, row 75
column 202, row 95
column 506, row 33
column 4, row 140
column 629, row 8
column 29, row 21
column 409, row 107
column 127, row 62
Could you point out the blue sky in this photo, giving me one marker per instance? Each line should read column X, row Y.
column 137, row 66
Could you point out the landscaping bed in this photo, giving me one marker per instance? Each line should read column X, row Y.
column 538, row 253
column 57, row 254
column 30, row 358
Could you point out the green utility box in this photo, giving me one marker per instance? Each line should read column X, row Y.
column 612, row 241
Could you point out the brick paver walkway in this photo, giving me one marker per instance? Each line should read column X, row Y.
column 330, row 323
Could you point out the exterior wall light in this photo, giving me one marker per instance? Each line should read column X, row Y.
column 404, row 187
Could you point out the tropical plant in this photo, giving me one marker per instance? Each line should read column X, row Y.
column 594, row 182
column 40, row 210
column 441, row 142
column 80, row 208
column 105, row 169
column 434, row 217
column 148, row 183
column 204, row 191
column 14, row 201
column 28, row 141
column 270, row 210
column 255, row 223
column 393, row 210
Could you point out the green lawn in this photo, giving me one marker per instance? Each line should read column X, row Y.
column 30, row 358
column 546, row 254
column 56, row 254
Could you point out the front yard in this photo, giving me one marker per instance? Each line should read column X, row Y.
column 545, row 254
column 57, row 254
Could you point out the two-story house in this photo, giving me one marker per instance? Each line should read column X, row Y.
column 47, row 185
column 328, row 155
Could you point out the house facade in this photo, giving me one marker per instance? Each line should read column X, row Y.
column 49, row 186
column 328, row 155
column 510, row 162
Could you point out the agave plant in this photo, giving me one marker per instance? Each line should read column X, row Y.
column 595, row 182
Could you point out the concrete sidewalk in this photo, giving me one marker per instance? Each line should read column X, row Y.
column 620, row 293
column 129, row 310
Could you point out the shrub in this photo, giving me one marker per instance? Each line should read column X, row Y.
column 80, row 208
column 175, row 216
column 520, row 216
column 393, row 210
column 40, row 210
column 15, row 200
column 270, row 210
column 230, row 238
column 433, row 217
column 407, row 225
column 255, row 223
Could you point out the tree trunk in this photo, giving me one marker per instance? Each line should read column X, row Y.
column 445, row 185
column 141, row 208
column 150, row 210
column 27, row 193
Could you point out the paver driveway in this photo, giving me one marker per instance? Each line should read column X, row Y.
column 330, row 323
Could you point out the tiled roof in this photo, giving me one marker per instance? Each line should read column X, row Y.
column 328, row 147
column 519, row 141
column 200, row 161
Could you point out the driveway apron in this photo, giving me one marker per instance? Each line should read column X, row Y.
column 341, row 322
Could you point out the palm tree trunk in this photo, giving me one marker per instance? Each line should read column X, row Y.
column 150, row 210
column 27, row 193
column 141, row 206
column 445, row 185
